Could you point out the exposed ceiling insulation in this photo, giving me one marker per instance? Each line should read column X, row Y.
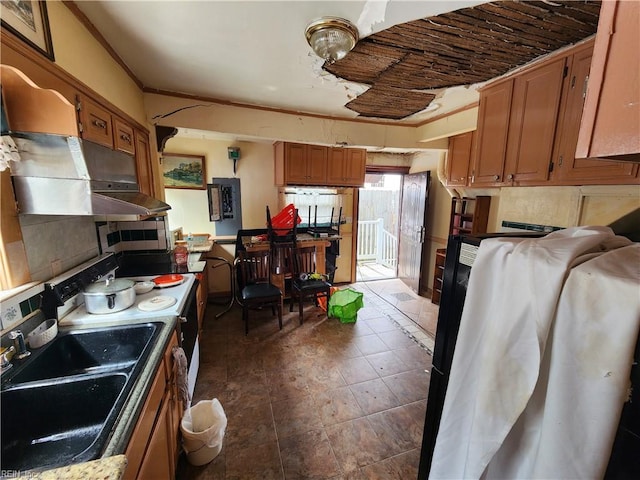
column 407, row 63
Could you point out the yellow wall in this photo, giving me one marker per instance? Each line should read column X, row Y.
column 80, row 54
column 190, row 208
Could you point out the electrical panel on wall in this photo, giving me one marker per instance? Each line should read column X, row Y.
column 224, row 205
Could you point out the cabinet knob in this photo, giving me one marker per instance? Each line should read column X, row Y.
column 496, row 177
column 510, row 176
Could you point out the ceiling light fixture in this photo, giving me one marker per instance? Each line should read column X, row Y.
column 331, row 37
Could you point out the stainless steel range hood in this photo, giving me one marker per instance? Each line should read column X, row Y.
column 65, row 175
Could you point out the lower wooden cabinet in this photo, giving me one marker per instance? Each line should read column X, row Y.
column 152, row 452
column 156, row 464
column 202, row 295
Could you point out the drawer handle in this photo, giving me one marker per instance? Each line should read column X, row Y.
column 100, row 124
column 126, row 138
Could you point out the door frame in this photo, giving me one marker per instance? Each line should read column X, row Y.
column 356, row 214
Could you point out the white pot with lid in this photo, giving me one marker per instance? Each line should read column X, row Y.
column 109, row 296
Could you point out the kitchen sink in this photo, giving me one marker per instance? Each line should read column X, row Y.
column 60, row 405
column 59, row 422
column 87, row 351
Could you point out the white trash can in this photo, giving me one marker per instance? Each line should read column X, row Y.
column 203, row 427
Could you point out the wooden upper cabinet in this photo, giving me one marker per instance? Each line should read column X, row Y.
column 493, row 128
column 295, row 163
column 316, row 164
column 517, row 126
column 459, row 159
column 611, row 119
column 300, row 164
column 144, row 170
column 96, row 123
column 568, row 169
column 346, row 167
column 123, row 136
column 532, row 123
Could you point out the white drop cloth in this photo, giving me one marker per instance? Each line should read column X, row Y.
column 515, row 305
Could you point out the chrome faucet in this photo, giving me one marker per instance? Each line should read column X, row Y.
column 5, row 358
column 19, row 344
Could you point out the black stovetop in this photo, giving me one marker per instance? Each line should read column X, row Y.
column 144, row 264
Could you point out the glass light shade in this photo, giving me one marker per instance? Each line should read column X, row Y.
column 331, row 37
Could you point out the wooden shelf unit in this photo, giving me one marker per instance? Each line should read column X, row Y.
column 438, row 274
column 468, row 215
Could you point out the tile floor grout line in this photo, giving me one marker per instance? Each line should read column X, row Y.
column 401, row 327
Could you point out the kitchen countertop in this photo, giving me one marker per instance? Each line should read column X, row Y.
column 109, row 468
column 108, row 465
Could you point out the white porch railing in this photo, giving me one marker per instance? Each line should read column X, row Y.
column 376, row 244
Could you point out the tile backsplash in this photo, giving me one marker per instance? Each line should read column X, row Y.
column 15, row 309
column 116, row 237
column 55, row 244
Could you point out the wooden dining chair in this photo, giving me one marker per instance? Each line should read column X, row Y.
column 302, row 285
column 256, row 289
column 281, row 244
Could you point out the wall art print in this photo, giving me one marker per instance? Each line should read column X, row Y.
column 183, row 171
column 29, row 21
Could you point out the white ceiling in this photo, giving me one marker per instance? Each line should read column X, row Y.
column 252, row 52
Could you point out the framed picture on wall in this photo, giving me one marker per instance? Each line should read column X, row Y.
column 28, row 20
column 180, row 170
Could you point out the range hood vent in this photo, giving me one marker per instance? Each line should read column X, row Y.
column 65, row 175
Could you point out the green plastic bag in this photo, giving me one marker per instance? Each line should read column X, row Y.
column 344, row 305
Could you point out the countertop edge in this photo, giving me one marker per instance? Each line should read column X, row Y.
column 108, row 468
column 130, row 413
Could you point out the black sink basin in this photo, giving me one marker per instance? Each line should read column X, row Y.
column 60, row 405
column 87, row 351
column 61, row 422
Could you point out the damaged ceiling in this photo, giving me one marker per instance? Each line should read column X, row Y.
column 412, row 54
column 407, row 64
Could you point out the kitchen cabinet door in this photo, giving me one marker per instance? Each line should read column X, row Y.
column 493, row 128
column 346, row 167
column 567, row 168
column 157, row 462
column 532, row 123
column 301, row 164
column 175, row 404
column 144, row 170
column 611, row 118
column 202, row 295
column 316, row 164
column 459, row 159
column 137, row 447
column 123, row 136
column 96, row 122
column 295, row 161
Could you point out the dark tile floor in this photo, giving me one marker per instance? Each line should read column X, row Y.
column 324, row 400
